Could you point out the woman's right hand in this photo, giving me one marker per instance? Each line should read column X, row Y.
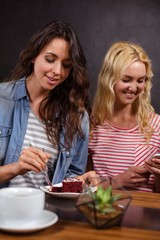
column 90, row 177
column 134, row 176
column 31, row 159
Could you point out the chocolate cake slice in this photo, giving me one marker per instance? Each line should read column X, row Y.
column 56, row 189
column 72, row 185
column 68, row 185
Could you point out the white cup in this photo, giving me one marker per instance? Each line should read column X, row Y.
column 21, row 205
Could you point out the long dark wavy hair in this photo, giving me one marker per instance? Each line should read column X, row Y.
column 66, row 104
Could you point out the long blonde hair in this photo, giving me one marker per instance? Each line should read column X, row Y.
column 117, row 59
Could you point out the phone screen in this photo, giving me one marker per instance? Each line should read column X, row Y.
column 157, row 155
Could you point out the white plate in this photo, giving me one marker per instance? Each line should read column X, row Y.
column 47, row 219
column 62, row 194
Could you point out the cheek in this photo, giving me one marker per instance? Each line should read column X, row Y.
column 41, row 66
column 118, row 88
column 37, row 67
column 142, row 87
column 65, row 73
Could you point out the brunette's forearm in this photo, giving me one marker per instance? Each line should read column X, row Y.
column 7, row 172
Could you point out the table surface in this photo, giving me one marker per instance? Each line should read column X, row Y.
column 140, row 222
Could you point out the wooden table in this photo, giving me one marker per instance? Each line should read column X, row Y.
column 141, row 222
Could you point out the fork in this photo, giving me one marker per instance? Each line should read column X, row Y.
column 47, row 176
column 46, row 170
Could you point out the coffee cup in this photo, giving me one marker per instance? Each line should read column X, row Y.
column 21, row 205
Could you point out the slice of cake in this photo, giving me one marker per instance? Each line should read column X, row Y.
column 72, row 185
column 68, row 185
column 55, row 189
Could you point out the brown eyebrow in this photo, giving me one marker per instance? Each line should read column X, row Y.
column 54, row 55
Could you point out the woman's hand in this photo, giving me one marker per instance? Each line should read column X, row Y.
column 134, row 176
column 153, row 165
column 91, row 178
column 31, row 159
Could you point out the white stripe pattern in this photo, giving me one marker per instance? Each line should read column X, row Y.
column 114, row 150
column 36, row 136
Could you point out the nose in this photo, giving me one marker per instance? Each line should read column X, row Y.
column 57, row 68
column 133, row 87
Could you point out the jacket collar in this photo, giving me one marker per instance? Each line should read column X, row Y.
column 20, row 91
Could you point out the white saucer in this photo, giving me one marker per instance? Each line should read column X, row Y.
column 47, row 219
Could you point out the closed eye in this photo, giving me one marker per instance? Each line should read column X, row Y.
column 67, row 65
column 126, row 80
column 142, row 80
column 50, row 60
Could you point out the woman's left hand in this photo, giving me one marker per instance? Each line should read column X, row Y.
column 153, row 165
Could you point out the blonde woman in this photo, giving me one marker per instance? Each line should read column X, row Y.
column 125, row 132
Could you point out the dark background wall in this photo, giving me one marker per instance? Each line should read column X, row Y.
column 98, row 24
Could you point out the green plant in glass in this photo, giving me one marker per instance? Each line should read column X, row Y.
column 103, row 208
column 103, row 200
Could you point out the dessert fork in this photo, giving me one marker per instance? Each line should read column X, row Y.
column 47, row 176
column 46, row 170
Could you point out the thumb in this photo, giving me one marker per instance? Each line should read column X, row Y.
column 141, row 169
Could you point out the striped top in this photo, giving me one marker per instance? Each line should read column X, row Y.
column 114, row 149
column 36, row 136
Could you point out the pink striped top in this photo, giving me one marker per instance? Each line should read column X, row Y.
column 114, row 149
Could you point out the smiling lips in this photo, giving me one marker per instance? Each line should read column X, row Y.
column 52, row 80
column 129, row 94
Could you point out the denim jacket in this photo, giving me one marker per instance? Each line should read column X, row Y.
column 14, row 113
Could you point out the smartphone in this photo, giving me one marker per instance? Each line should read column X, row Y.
column 157, row 155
